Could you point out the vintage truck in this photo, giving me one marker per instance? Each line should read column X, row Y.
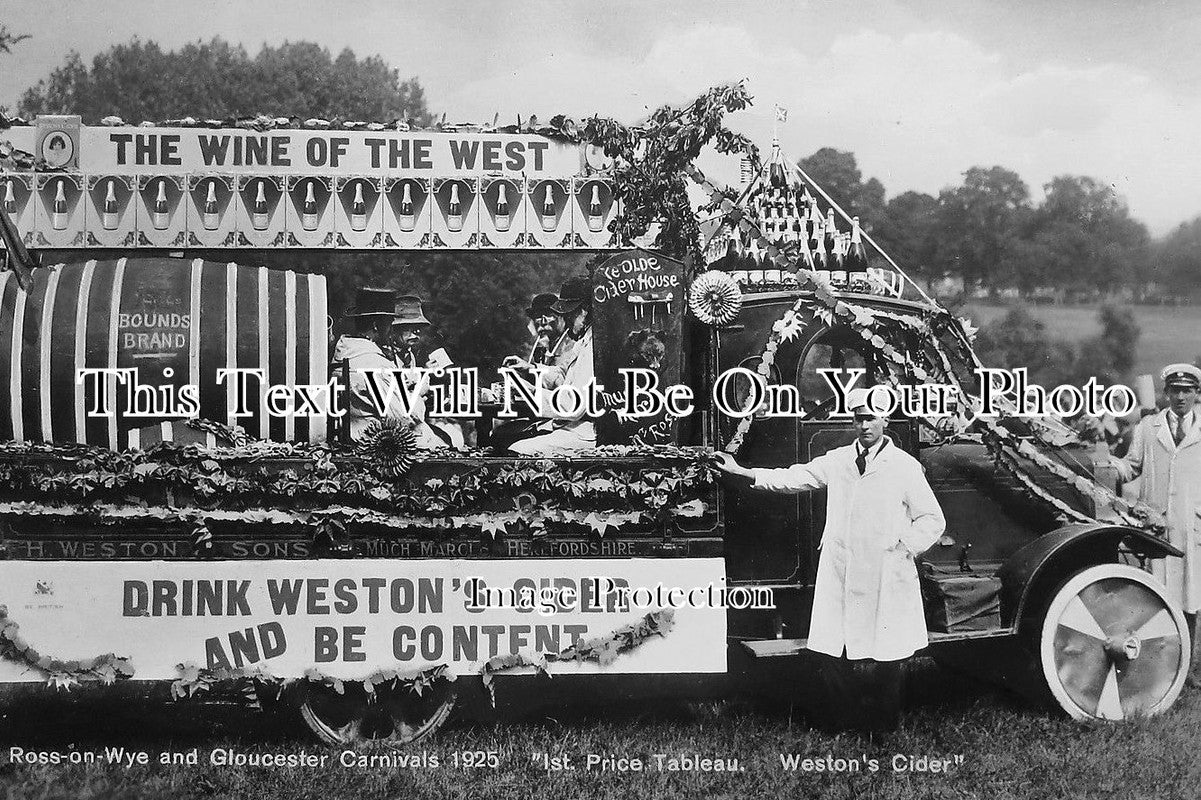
column 356, row 574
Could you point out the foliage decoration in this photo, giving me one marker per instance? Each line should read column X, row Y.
column 333, row 494
column 61, row 673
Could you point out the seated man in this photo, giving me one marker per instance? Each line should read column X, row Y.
column 363, row 351
column 560, row 434
column 548, row 328
column 408, row 326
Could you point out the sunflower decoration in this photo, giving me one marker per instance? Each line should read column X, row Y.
column 715, row 298
column 389, row 446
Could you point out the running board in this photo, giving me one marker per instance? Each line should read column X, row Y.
column 777, row 648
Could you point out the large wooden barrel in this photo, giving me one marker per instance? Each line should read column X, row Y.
column 177, row 322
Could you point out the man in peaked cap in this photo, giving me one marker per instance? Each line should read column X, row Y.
column 562, row 434
column 362, row 350
column 867, row 605
column 1165, row 454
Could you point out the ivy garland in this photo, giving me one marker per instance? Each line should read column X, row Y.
column 310, row 485
column 61, row 673
column 864, row 322
column 603, row 650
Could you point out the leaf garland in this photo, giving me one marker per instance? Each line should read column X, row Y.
column 61, row 673
column 264, row 483
column 864, row 322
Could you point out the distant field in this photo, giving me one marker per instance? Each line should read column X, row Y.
column 1168, row 334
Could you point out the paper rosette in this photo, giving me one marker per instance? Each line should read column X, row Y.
column 715, row 298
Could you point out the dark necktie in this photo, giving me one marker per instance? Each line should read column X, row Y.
column 1179, row 435
column 861, row 461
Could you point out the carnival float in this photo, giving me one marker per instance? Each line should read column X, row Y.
column 266, row 558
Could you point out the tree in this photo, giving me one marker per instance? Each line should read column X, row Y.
column 909, row 232
column 838, row 173
column 215, row 80
column 1086, row 236
column 1176, row 262
column 979, row 222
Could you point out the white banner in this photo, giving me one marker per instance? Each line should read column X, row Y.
column 150, row 151
column 351, row 618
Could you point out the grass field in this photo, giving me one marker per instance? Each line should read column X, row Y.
column 1168, row 334
column 1007, row 750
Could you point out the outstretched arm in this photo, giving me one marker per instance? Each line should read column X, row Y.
column 788, row 480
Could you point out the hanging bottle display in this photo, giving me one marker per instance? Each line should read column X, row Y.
column 549, row 222
column 58, row 210
column 454, row 210
column 158, row 215
column 209, row 216
column 308, row 211
column 405, row 217
column 258, row 213
column 503, row 216
column 358, row 209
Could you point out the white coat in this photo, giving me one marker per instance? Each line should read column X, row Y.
column 867, row 599
column 1170, row 482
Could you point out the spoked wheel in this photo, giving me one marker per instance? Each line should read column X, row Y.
column 396, row 715
column 1112, row 646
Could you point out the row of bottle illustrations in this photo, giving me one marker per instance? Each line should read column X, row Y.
column 276, row 210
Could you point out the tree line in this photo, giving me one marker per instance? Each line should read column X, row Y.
column 988, row 232
column 985, row 234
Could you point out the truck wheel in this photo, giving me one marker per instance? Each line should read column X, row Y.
column 396, row 715
column 1112, row 646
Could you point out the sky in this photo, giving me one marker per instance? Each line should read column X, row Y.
column 919, row 90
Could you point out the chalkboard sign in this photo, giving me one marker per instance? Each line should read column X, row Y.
column 638, row 306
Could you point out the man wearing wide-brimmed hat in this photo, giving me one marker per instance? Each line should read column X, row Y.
column 363, row 350
column 561, row 434
column 408, row 326
column 1165, row 454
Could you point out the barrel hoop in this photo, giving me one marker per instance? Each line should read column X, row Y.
column 113, row 314
column 290, row 347
column 194, row 324
column 15, row 401
column 264, row 334
column 318, row 344
column 44, row 354
column 231, row 340
column 81, row 339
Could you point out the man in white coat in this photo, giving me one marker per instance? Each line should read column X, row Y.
column 880, row 515
column 1165, row 454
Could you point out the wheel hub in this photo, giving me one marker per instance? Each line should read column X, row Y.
column 1123, row 649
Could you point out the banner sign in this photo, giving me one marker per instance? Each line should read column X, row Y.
column 351, row 618
column 137, row 187
column 150, row 151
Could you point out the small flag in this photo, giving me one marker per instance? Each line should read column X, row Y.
column 781, row 114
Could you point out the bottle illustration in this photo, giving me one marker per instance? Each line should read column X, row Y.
column 108, row 211
column 10, row 202
column 158, row 215
column 358, row 209
column 454, row 210
column 258, row 211
column 58, row 211
column 503, row 218
column 209, row 217
column 406, row 217
column 596, row 217
column 549, row 219
column 308, row 211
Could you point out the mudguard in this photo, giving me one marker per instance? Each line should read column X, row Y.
column 1036, row 568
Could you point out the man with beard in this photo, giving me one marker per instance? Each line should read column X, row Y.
column 562, row 434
